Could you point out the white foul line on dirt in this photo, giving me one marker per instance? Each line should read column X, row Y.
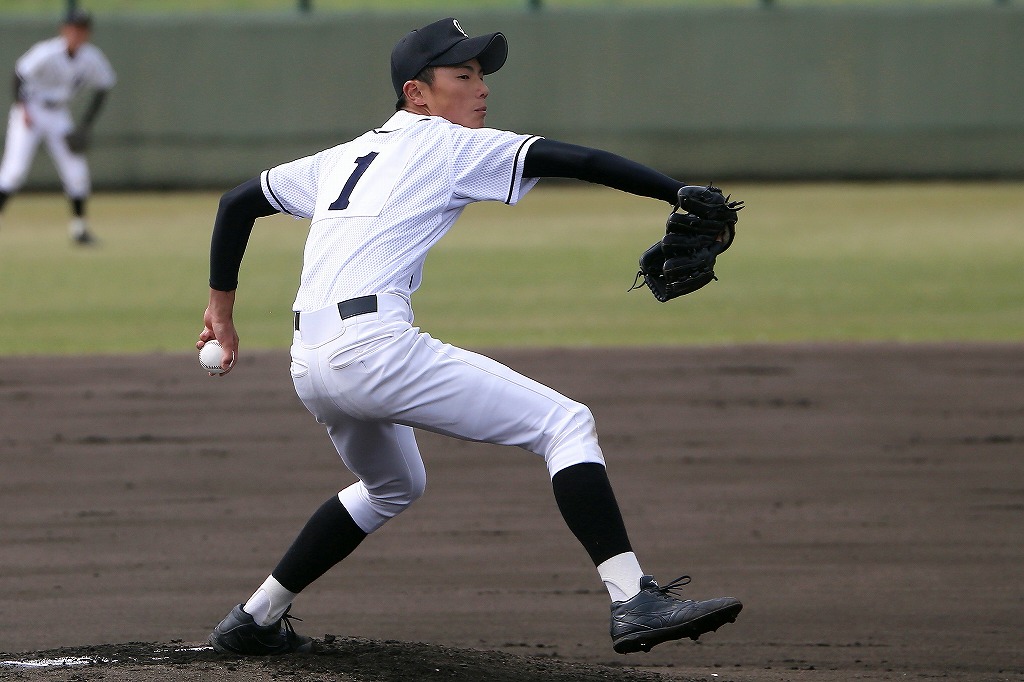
column 71, row 661
column 66, row 661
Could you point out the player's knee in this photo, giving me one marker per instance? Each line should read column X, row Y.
column 12, row 181
column 576, row 440
column 77, row 188
column 390, row 500
column 581, row 423
column 409, row 490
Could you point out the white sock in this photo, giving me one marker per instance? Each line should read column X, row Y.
column 621, row 575
column 269, row 602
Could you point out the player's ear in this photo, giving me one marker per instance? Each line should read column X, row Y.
column 413, row 92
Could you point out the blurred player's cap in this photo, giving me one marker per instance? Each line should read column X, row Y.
column 78, row 17
column 444, row 43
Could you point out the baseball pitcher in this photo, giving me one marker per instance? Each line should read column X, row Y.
column 375, row 206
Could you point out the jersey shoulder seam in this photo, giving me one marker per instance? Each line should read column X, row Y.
column 515, row 166
column 273, row 194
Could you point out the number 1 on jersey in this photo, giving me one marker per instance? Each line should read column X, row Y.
column 362, row 163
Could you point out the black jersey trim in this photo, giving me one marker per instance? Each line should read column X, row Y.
column 273, row 195
column 515, row 165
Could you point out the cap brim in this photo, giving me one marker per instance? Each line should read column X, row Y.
column 490, row 50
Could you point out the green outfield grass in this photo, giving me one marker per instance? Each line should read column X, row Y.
column 820, row 262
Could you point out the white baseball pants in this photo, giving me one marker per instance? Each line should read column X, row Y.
column 22, row 142
column 372, row 378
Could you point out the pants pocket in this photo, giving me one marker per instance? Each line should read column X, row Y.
column 349, row 354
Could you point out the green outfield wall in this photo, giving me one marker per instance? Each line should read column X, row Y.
column 758, row 93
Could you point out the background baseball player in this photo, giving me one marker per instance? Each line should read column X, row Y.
column 377, row 204
column 46, row 79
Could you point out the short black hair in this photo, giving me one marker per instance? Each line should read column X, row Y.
column 426, row 75
column 78, row 17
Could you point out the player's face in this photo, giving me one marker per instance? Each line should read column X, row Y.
column 458, row 94
column 76, row 36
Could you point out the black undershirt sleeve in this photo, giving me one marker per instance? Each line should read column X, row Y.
column 238, row 210
column 95, row 104
column 552, row 159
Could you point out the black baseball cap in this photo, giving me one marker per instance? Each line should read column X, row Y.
column 78, row 17
column 444, row 43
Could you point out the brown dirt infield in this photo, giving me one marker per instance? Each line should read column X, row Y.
column 866, row 502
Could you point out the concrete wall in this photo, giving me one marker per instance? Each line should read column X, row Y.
column 702, row 94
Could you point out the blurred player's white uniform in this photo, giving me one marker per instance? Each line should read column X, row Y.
column 50, row 78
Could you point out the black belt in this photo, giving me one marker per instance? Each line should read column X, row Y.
column 49, row 104
column 351, row 308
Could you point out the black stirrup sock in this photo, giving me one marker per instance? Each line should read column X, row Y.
column 585, row 498
column 329, row 536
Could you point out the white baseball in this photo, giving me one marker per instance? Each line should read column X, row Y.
column 210, row 355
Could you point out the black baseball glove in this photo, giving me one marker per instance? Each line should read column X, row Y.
column 78, row 140
column 701, row 226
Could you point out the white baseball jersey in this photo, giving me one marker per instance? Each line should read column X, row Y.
column 378, row 203
column 52, row 76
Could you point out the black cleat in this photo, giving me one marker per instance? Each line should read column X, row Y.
column 78, row 230
column 654, row 616
column 239, row 634
column 84, row 239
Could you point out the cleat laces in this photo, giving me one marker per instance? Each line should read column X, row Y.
column 672, row 589
column 286, row 622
